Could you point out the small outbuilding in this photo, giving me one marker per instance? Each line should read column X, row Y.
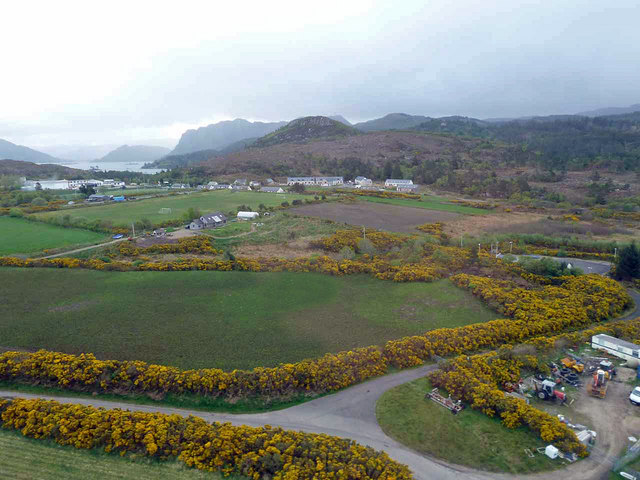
column 272, row 190
column 619, row 348
column 248, row 215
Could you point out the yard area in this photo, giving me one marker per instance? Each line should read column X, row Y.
column 227, row 320
column 122, row 214
column 27, row 459
column 18, row 235
column 469, row 438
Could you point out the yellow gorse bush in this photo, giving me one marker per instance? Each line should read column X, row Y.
column 199, row 244
column 257, row 453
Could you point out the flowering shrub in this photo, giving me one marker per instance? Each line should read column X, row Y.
column 199, row 244
column 482, row 205
column 434, row 229
column 383, row 241
column 381, row 194
column 257, row 453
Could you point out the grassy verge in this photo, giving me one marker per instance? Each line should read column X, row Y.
column 20, row 236
column 469, row 438
column 186, row 401
column 226, row 320
column 26, row 458
column 429, row 202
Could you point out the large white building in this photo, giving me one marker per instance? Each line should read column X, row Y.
column 396, row 182
column 322, row 181
column 363, row 181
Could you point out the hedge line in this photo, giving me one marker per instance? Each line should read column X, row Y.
column 258, row 453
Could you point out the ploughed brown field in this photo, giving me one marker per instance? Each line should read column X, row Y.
column 393, row 218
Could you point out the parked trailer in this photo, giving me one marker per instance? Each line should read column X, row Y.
column 447, row 402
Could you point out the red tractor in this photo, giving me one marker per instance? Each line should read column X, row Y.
column 547, row 390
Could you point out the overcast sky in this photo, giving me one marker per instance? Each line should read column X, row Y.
column 142, row 72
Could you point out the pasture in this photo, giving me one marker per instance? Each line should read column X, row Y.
column 20, row 236
column 123, row 214
column 429, row 202
column 27, row 459
column 228, row 320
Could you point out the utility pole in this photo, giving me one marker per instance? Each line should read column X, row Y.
column 364, row 231
column 133, row 229
column 615, row 252
column 510, row 247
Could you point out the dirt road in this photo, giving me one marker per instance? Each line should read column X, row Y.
column 90, row 247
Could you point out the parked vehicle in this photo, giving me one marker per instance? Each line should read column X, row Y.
column 117, row 236
column 547, row 390
column 634, row 396
column 571, row 363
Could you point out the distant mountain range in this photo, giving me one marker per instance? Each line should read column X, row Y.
column 78, row 153
column 135, row 153
column 219, row 135
column 611, row 111
column 12, row 151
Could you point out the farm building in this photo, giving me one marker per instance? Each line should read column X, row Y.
column 247, row 215
column 240, row 181
column 240, row 188
column 212, row 220
column 407, row 188
column 395, row 182
column 322, row 181
column 363, row 181
column 98, row 198
column 272, row 190
column 620, row 348
column 254, row 184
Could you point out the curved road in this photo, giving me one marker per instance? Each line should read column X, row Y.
column 351, row 413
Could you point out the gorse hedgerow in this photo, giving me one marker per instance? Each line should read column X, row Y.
column 257, row 453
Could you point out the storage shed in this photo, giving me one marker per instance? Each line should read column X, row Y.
column 620, row 348
column 247, row 215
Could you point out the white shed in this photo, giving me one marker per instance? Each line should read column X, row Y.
column 247, row 215
column 620, row 348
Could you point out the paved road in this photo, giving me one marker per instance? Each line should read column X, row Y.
column 351, row 414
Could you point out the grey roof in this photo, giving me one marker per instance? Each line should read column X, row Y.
column 197, row 221
column 399, row 180
column 270, row 189
column 360, row 177
column 215, row 217
column 617, row 341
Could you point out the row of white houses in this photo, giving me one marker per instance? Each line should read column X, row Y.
column 31, row 185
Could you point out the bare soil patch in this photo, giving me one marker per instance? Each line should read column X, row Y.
column 376, row 215
column 474, row 224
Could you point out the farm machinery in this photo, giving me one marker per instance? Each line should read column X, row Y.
column 547, row 390
column 446, row 402
column 599, row 384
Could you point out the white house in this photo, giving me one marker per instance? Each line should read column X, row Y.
column 322, row 181
column 394, row 182
column 363, row 181
column 247, row 215
column 272, row 190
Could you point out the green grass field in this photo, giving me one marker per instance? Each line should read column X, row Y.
column 469, row 438
column 122, row 214
column 430, row 202
column 25, row 458
column 18, row 235
column 219, row 319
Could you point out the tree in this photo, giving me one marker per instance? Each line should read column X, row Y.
column 628, row 262
column 297, row 188
column 38, row 186
column 85, row 189
column 388, row 170
column 396, row 172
